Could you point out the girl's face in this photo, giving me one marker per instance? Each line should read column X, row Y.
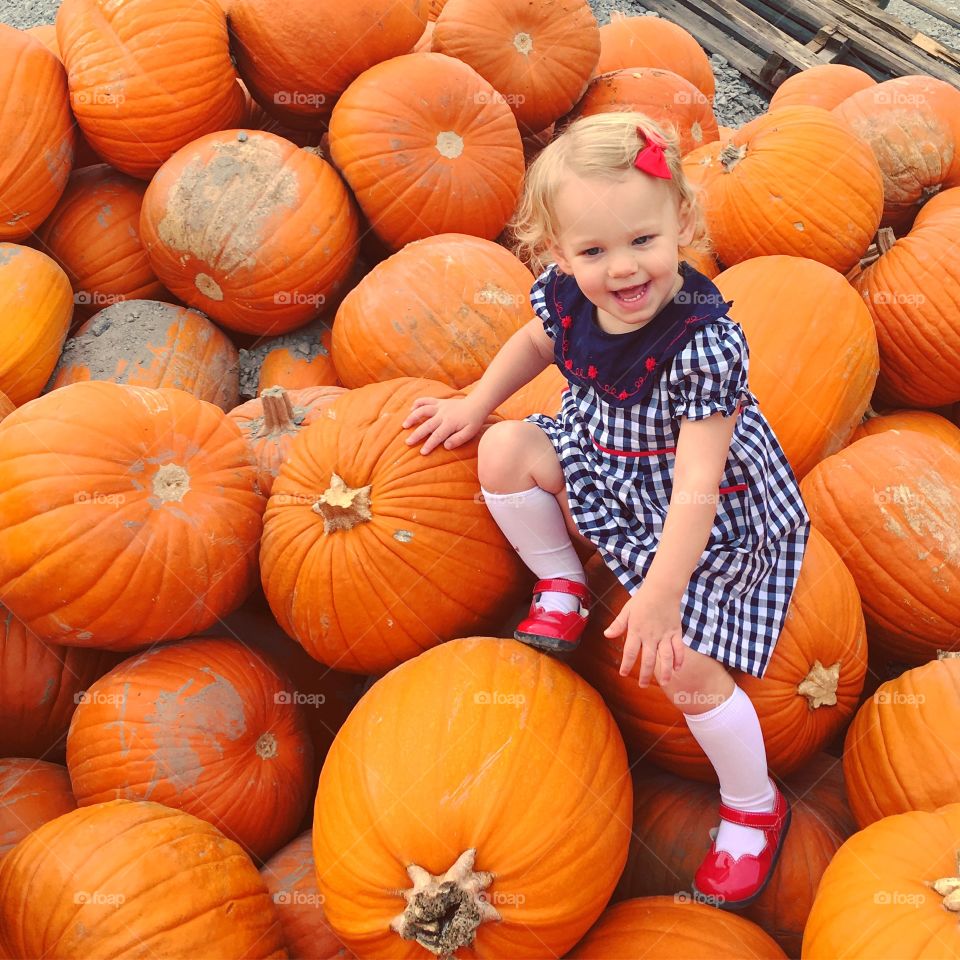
column 619, row 239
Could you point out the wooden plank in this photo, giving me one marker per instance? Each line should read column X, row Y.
column 938, row 11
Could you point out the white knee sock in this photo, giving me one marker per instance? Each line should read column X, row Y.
column 533, row 522
column 731, row 737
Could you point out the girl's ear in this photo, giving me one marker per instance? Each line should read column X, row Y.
column 561, row 261
column 688, row 224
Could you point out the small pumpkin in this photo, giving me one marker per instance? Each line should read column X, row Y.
column 67, row 889
column 701, row 259
column 521, row 882
column 428, row 148
column 304, row 364
column 150, row 344
column 921, row 421
column 171, row 479
column 32, row 792
column 825, row 85
column 46, row 33
column 890, row 505
column 539, row 58
column 36, row 130
column 543, row 394
column 284, row 239
column 36, row 303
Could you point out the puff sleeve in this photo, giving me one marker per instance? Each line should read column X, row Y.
column 709, row 375
column 538, row 300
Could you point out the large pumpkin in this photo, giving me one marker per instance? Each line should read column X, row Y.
column 673, row 928
column 543, row 394
column 912, row 291
column 471, row 785
column 205, row 725
column 889, row 892
column 809, row 692
column 662, row 95
column 69, row 889
column 794, row 181
column 36, row 130
column 912, row 125
column 434, row 564
column 890, row 505
column 150, row 344
column 298, row 57
column 670, row 837
column 813, row 351
column 127, row 515
column 36, row 303
column 825, row 85
column 94, row 234
column 40, row 687
column 284, row 236
column 291, row 879
column 640, row 41
column 538, row 57
column 147, row 77
column 271, row 422
column 921, row 421
column 440, row 308
column 32, row 792
column 902, row 751
column 428, row 147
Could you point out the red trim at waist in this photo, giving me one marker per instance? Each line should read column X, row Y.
column 734, row 489
column 633, row 453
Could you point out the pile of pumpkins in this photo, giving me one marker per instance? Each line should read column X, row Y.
column 237, row 240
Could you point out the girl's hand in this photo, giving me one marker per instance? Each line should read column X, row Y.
column 450, row 422
column 652, row 624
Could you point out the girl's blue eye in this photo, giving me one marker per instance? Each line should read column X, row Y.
column 642, row 241
column 592, row 251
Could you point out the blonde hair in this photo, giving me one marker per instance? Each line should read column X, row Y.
column 603, row 145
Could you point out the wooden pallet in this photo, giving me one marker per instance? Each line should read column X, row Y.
column 767, row 40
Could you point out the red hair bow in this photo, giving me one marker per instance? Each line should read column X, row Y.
column 651, row 158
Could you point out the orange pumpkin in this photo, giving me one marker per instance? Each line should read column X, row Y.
column 46, row 33
column 140, row 480
column 296, row 366
column 298, row 56
column 270, row 423
column 36, row 130
column 435, row 563
column 423, row 45
column 150, row 344
column 539, row 57
column 94, row 234
column 912, row 125
column 40, row 686
column 67, row 890
column 434, row 7
column 440, row 308
column 639, row 41
column 920, row 708
column 671, row 823
column 147, row 77
column 800, row 316
column 911, row 290
column 809, row 692
column 427, row 148
column 6, row 405
column 543, row 394
column 284, row 239
column 794, row 181
column 213, row 729
column 921, row 421
column 825, row 85
column 36, row 303
column 32, row 792
column 524, row 883
column 673, row 928
column 666, row 97
column 292, row 883
column 699, row 161
column 889, row 892
column 700, row 259
column 890, row 505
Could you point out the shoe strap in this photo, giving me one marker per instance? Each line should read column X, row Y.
column 762, row 821
column 561, row 585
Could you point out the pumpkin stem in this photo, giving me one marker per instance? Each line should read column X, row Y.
column 949, row 889
column 950, row 655
column 171, row 483
column 731, row 155
column 443, row 912
column 882, row 243
column 266, row 746
column 819, row 686
column 342, row 507
column 277, row 411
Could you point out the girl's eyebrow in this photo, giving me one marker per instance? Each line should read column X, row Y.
column 645, row 231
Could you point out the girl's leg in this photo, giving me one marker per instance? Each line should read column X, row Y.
column 723, row 721
column 523, row 487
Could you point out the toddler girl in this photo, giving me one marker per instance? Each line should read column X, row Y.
column 659, row 458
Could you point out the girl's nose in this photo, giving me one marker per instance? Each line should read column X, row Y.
column 623, row 265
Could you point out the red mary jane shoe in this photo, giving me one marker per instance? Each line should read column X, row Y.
column 731, row 883
column 552, row 630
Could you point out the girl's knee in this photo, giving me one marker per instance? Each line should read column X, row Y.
column 699, row 685
column 505, row 454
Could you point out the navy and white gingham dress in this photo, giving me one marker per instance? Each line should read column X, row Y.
column 618, row 465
